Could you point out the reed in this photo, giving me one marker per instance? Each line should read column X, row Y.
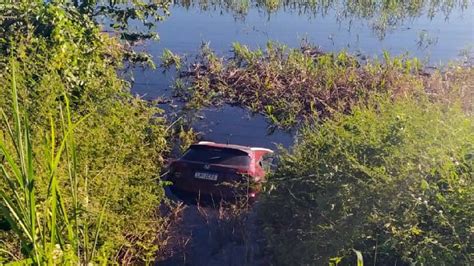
column 50, row 230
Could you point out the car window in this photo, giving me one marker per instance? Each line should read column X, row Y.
column 213, row 155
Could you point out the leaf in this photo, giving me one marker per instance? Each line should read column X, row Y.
column 360, row 258
column 334, row 261
column 424, row 185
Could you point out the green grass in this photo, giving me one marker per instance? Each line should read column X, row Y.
column 118, row 149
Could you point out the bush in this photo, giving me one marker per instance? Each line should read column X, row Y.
column 60, row 52
column 393, row 180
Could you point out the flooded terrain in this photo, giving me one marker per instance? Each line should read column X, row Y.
column 434, row 32
column 208, row 236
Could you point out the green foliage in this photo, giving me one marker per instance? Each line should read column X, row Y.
column 393, row 180
column 61, row 53
column 296, row 86
column 121, row 12
column 48, row 232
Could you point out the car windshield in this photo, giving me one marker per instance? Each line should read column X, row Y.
column 214, row 155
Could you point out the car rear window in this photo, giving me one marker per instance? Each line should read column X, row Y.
column 212, row 155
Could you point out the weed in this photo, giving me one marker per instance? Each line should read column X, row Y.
column 392, row 179
column 119, row 148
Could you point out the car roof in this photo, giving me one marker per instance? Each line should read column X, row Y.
column 246, row 149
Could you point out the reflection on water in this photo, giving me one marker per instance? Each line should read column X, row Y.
column 382, row 15
column 436, row 30
column 426, row 34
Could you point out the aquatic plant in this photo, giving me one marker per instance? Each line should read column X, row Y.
column 169, row 59
column 291, row 86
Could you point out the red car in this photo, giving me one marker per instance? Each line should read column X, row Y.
column 222, row 171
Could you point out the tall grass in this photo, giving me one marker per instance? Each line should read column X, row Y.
column 48, row 229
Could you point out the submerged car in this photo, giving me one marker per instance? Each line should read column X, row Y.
column 219, row 171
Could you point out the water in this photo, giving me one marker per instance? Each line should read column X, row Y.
column 436, row 32
column 187, row 28
column 235, row 125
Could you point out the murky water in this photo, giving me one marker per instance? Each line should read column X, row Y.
column 435, row 31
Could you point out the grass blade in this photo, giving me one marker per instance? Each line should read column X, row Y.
column 360, row 258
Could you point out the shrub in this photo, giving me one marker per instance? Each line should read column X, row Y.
column 60, row 52
column 393, row 180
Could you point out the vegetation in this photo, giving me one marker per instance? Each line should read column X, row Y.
column 391, row 179
column 61, row 53
column 169, row 59
column 382, row 165
column 382, row 168
column 48, row 233
column 291, row 86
